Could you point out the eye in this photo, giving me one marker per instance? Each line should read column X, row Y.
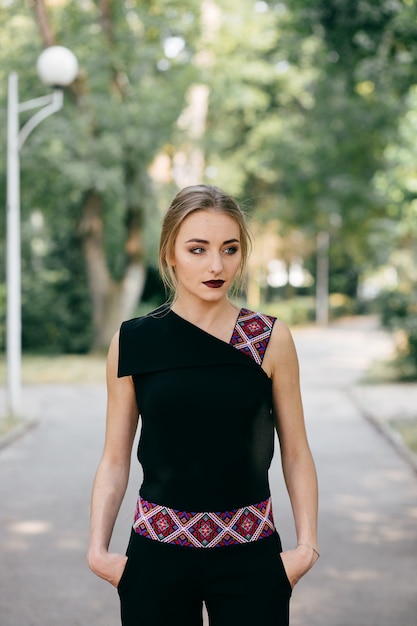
column 197, row 250
column 231, row 250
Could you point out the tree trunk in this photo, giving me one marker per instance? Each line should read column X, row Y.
column 112, row 301
column 44, row 25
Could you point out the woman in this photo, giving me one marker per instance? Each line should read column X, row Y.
column 210, row 383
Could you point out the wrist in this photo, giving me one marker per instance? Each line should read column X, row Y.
column 96, row 558
column 308, row 547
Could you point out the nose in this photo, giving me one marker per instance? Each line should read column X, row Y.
column 216, row 263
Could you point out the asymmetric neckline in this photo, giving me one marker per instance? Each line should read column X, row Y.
column 250, row 335
column 164, row 340
column 205, row 331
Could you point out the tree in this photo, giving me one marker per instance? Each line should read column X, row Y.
column 315, row 93
column 94, row 158
column 293, row 108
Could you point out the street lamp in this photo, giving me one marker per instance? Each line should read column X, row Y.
column 57, row 67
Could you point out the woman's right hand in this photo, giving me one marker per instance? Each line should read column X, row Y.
column 109, row 566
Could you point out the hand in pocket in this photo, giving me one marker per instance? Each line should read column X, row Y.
column 110, row 567
column 297, row 563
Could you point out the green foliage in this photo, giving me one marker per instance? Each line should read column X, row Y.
column 315, row 91
column 341, row 305
column 393, row 308
column 2, row 316
column 294, row 312
column 301, row 310
column 117, row 116
column 399, row 313
column 407, row 428
column 311, row 123
column 56, row 308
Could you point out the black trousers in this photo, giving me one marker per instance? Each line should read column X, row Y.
column 243, row 585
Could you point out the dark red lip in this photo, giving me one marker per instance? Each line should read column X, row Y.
column 214, row 284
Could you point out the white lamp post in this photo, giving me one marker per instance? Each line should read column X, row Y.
column 57, row 66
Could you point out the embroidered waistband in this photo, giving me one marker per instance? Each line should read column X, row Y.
column 204, row 529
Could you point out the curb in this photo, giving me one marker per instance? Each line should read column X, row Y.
column 391, row 435
column 17, row 432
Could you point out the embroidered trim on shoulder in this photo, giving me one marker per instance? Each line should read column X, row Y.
column 252, row 333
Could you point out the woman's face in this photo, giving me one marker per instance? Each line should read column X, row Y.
column 207, row 255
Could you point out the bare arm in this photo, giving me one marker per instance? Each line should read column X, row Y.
column 297, row 461
column 113, row 471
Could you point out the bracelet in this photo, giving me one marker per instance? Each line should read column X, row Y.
column 308, row 546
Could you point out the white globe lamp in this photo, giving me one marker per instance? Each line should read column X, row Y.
column 57, row 66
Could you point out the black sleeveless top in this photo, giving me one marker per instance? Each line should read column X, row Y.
column 207, row 435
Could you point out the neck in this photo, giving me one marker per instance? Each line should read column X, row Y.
column 204, row 314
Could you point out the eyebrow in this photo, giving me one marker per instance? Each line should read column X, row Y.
column 195, row 240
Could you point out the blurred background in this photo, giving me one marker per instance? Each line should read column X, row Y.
column 305, row 111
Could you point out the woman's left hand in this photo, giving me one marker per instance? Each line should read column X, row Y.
column 297, row 562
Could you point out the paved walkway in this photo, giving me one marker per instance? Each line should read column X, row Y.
column 367, row 575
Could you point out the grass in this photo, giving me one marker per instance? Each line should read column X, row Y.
column 388, row 372
column 68, row 369
column 381, row 372
column 408, row 431
column 7, row 424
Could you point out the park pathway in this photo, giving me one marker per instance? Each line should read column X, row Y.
column 367, row 574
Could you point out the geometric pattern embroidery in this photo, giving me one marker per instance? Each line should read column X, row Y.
column 203, row 530
column 252, row 333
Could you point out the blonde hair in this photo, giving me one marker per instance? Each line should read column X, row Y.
column 190, row 200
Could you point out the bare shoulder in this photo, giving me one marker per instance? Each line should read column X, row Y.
column 280, row 332
column 114, row 346
column 114, row 381
column 281, row 353
column 113, row 354
column 120, row 389
column 281, row 339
